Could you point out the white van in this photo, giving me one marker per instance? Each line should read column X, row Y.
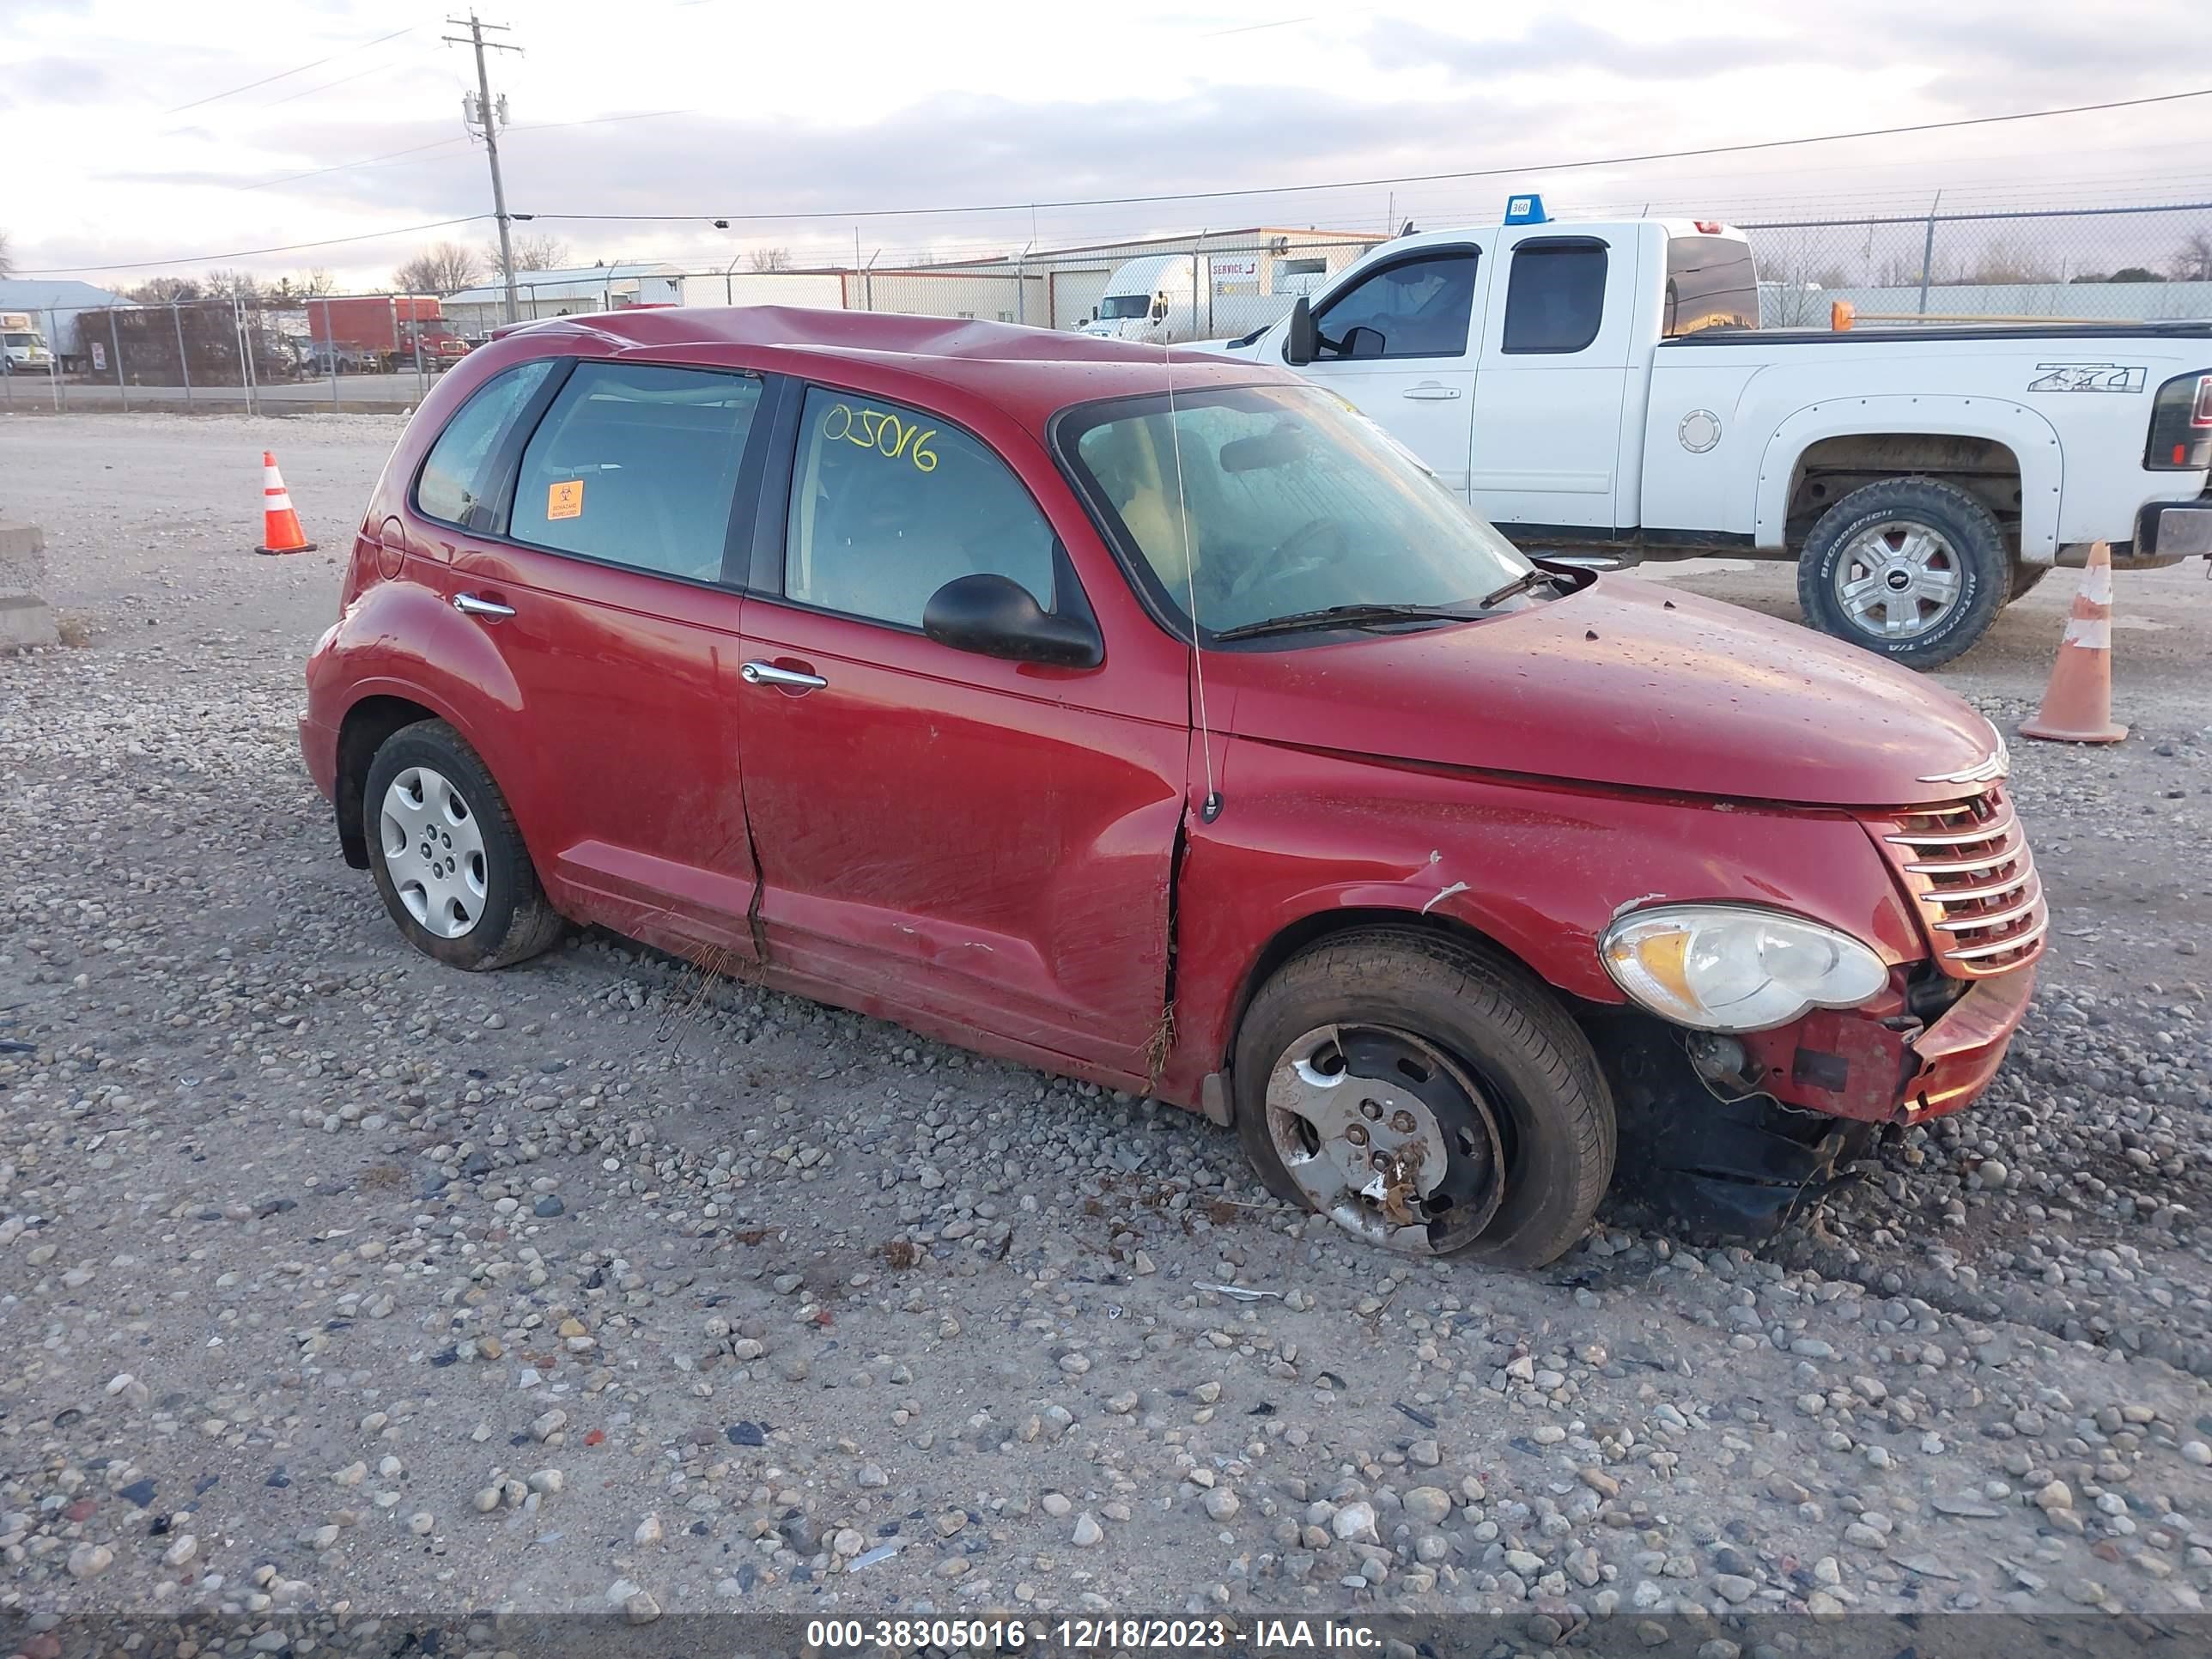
column 1174, row 299
column 22, row 348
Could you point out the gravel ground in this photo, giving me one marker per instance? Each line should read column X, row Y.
column 334, row 1281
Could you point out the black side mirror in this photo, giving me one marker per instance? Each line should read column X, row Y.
column 1362, row 342
column 1298, row 349
column 995, row 615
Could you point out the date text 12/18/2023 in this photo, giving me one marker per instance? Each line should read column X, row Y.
column 1095, row 1634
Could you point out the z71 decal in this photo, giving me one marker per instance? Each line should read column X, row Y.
column 2089, row 377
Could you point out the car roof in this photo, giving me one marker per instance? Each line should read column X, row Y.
column 1028, row 373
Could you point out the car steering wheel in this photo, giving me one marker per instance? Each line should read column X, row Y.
column 1305, row 548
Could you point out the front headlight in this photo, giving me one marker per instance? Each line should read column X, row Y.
column 1735, row 967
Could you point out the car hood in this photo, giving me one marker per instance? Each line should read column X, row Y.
column 1624, row 682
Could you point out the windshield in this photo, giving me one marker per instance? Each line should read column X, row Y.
column 1294, row 502
column 1124, row 305
column 22, row 339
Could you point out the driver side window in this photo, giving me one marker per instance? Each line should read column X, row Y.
column 1416, row 308
column 888, row 503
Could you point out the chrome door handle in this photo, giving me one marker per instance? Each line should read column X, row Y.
column 470, row 605
column 767, row 673
column 1432, row 390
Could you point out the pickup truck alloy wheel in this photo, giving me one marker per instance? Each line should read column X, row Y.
column 1427, row 1095
column 1897, row 579
column 1914, row 569
column 1387, row 1138
column 449, row 863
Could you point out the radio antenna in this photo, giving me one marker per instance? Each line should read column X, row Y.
column 1212, row 809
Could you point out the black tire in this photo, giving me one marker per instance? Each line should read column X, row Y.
column 1499, row 1026
column 515, row 922
column 2025, row 576
column 1975, row 547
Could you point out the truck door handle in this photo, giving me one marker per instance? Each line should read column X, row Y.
column 1434, row 390
column 470, row 605
column 767, row 673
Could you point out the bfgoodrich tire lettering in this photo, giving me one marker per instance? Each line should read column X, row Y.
column 1891, row 531
column 505, row 918
column 1497, row 1029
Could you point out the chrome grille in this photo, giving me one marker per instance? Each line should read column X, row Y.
column 1968, row 864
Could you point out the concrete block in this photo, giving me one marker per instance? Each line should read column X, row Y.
column 25, row 619
column 22, row 557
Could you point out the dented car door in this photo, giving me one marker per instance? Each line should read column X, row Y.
column 971, row 844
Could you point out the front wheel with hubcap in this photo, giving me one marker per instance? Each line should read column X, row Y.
column 1911, row 568
column 1425, row 1095
column 448, row 861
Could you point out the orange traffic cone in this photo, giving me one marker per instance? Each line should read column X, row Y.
column 2077, row 705
column 280, row 525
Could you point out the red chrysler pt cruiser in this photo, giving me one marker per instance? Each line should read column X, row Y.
column 1157, row 720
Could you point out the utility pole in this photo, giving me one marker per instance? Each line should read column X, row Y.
column 487, row 117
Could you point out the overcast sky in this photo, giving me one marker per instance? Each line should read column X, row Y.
column 132, row 134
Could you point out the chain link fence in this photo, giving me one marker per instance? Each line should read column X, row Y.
column 2094, row 265
column 383, row 351
column 235, row 355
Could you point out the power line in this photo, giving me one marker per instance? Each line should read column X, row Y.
column 254, row 252
column 1518, row 170
column 343, row 80
column 347, row 167
column 286, row 74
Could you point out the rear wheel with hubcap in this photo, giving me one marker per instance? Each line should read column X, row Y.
column 448, row 861
column 1911, row 568
column 1425, row 1095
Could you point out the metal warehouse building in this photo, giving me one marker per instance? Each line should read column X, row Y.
column 1062, row 286
column 473, row 313
column 1057, row 287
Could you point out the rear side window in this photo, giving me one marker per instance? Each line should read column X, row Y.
column 1555, row 297
column 888, row 504
column 637, row 464
column 1412, row 308
column 1711, row 284
column 453, row 480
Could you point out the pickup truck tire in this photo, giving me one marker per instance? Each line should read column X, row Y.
column 2024, row 579
column 1910, row 569
column 448, row 861
column 1453, row 1051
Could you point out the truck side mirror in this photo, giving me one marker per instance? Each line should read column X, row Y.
column 1298, row 341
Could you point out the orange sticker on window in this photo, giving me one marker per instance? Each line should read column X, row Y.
column 565, row 500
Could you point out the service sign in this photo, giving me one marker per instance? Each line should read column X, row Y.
column 1239, row 274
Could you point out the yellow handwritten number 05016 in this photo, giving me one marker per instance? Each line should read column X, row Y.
column 883, row 433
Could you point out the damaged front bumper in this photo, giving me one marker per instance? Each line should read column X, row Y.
column 1894, row 1068
column 1740, row 1135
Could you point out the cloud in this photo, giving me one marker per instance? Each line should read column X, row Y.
column 1554, row 46
column 57, row 81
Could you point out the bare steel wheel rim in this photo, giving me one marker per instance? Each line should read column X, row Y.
column 1898, row 580
column 1385, row 1135
column 433, row 852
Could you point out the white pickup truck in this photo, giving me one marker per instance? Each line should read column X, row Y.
column 1606, row 387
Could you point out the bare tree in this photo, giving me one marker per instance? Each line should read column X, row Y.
column 769, row 258
column 162, row 290
column 2192, row 262
column 2004, row 261
column 7, row 258
column 536, row 250
column 314, row 281
column 442, row 268
column 229, row 285
column 1789, row 289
